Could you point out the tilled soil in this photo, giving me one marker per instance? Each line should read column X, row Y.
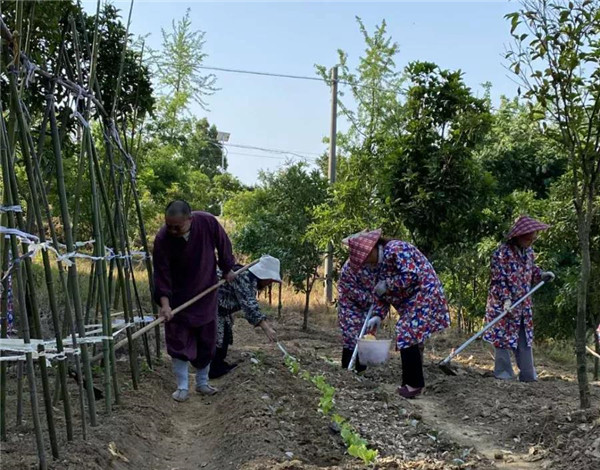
column 266, row 418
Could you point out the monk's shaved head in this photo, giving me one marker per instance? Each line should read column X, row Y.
column 178, row 218
column 178, row 208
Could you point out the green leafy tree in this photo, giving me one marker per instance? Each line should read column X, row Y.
column 202, row 150
column 432, row 178
column 556, row 54
column 356, row 201
column 274, row 220
column 223, row 187
column 179, row 72
column 46, row 46
column 518, row 154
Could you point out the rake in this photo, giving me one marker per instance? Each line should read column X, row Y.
column 445, row 365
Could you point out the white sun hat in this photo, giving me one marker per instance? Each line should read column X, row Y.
column 267, row 268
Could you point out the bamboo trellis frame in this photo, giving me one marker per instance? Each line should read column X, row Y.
column 109, row 201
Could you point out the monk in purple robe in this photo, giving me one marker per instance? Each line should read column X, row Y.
column 185, row 265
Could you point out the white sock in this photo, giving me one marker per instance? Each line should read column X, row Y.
column 181, row 370
column 202, row 376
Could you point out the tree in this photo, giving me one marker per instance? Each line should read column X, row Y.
column 202, row 150
column 556, row 55
column 178, row 67
column 432, row 178
column 224, row 186
column 136, row 93
column 71, row 26
column 518, row 154
column 356, row 201
column 274, row 220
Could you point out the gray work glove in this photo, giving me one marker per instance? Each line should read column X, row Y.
column 548, row 276
column 381, row 288
column 373, row 323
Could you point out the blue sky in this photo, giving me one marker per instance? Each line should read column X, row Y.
column 290, row 37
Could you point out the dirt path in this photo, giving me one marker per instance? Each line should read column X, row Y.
column 265, row 418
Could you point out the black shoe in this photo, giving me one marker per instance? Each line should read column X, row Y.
column 347, row 357
column 220, row 370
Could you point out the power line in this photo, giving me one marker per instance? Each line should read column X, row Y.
column 256, row 156
column 279, row 151
column 265, row 74
column 295, row 77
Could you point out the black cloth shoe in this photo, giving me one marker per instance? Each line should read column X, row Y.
column 347, row 356
column 221, row 370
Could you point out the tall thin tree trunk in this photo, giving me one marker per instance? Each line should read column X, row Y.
column 279, row 305
column 306, row 303
column 596, row 361
column 584, row 227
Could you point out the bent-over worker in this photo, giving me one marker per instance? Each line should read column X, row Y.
column 237, row 295
column 405, row 279
column 185, row 265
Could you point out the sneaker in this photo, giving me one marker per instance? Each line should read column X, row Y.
column 180, row 395
column 406, row 393
column 206, row 389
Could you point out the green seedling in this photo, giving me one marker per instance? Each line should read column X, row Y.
column 357, row 446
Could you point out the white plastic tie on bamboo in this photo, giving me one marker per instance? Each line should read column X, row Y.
column 35, row 246
column 21, row 236
column 5, row 209
column 29, row 69
column 50, row 350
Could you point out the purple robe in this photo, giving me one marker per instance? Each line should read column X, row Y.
column 183, row 269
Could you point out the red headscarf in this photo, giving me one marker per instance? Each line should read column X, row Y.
column 525, row 225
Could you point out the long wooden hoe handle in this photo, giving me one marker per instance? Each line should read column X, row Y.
column 175, row 311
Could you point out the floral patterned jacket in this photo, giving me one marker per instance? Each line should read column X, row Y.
column 513, row 272
column 355, row 297
column 415, row 291
column 233, row 297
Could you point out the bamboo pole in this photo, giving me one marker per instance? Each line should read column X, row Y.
column 73, row 277
column 3, row 332
column 19, row 417
column 25, row 152
column 118, row 240
column 141, row 315
column 101, row 270
column 39, row 194
column 119, row 265
column 68, row 321
column 6, row 168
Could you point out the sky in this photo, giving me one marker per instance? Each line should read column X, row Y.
column 289, row 37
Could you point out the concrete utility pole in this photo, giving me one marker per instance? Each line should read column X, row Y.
column 223, row 138
column 328, row 268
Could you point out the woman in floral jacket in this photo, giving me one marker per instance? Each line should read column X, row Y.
column 513, row 273
column 406, row 280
